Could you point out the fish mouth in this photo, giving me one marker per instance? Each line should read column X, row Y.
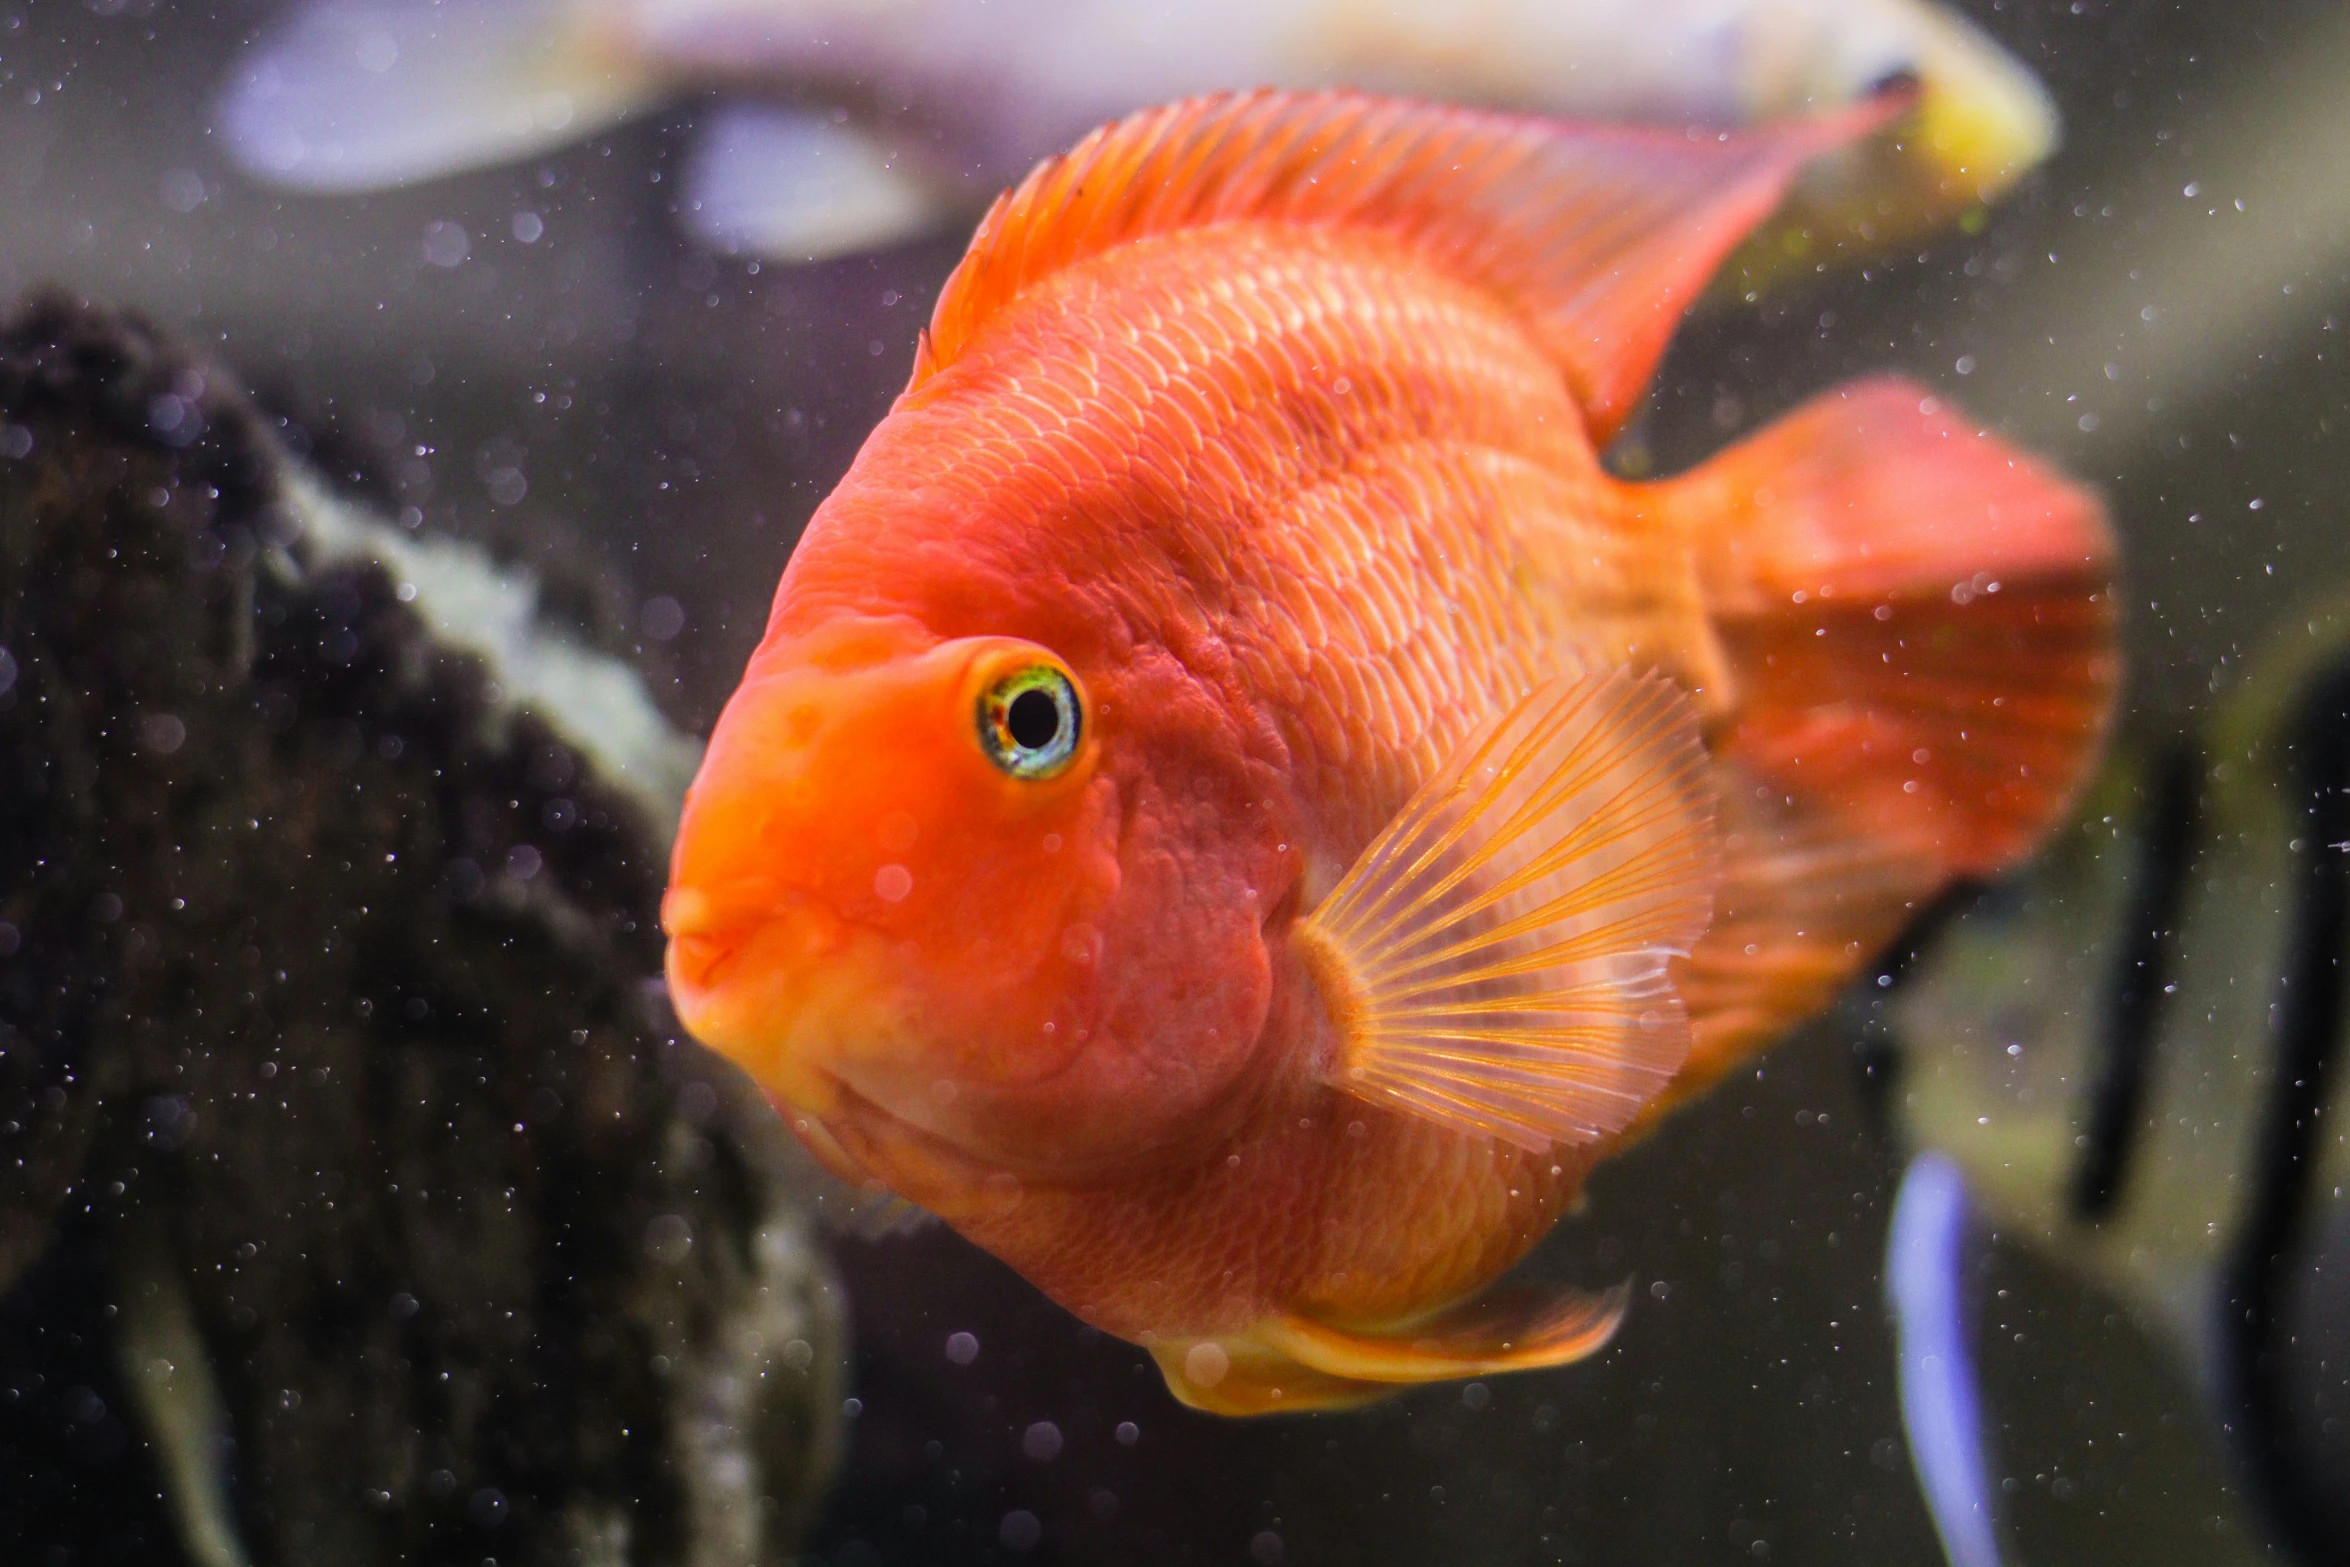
column 753, row 970
column 706, row 944
column 804, row 1000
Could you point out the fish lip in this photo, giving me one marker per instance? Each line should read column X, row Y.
column 703, row 945
column 713, row 924
column 713, row 931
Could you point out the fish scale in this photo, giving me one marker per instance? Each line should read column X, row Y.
column 1479, row 434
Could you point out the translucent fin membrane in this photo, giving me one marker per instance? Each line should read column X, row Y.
column 1598, row 236
column 1496, row 959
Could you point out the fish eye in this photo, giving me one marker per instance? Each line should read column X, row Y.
column 1029, row 721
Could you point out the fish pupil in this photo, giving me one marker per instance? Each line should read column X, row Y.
column 1034, row 719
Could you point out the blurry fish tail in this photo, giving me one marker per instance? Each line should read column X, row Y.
column 1979, row 122
column 1919, row 623
column 352, row 95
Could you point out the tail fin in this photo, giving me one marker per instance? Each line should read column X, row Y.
column 349, row 95
column 1920, row 623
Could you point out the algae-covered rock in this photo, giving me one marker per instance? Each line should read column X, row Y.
column 339, row 1107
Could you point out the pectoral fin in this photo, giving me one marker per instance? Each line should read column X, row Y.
column 1496, row 960
column 1295, row 1363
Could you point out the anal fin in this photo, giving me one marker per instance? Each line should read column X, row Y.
column 1292, row 1362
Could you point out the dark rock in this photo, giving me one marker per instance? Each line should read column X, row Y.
column 328, row 1007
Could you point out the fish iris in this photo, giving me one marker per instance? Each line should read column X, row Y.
column 1029, row 722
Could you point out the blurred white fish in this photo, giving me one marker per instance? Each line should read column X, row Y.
column 2135, row 1059
column 850, row 124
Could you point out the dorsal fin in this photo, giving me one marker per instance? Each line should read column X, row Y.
column 1599, row 236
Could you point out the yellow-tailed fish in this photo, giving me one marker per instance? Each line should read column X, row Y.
column 853, row 123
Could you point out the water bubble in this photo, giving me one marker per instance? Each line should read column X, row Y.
column 662, row 618
column 1020, row 1530
column 1041, row 1441
column 507, row 485
column 173, row 419
column 446, row 244
column 962, row 1348
column 376, row 51
column 528, row 226
column 169, row 1119
column 461, row 881
column 669, row 1238
column 1128, row 1433
column 1206, row 1363
column 1265, row 1547
column 162, row 733
column 183, row 190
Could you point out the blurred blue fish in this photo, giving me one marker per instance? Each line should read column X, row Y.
column 2132, row 1057
column 1941, row 1406
column 850, row 124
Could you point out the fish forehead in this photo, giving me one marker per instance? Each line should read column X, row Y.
column 1347, row 491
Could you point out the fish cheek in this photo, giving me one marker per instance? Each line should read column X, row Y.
column 1186, row 981
column 1027, row 912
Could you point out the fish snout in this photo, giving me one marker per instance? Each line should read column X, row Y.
column 741, row 959
column 701, row 937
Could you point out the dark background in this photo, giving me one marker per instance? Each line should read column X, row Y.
column 649, row 427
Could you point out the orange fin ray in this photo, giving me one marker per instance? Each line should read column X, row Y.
column 1496, row 960
column 1600, row 237
column 1293, row 1363
column 1507, row 1330
column 1804, row 903
column 1920, row 624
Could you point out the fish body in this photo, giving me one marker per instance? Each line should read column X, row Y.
column 2132, row 1054
column 853, row 122
column 1236, row 810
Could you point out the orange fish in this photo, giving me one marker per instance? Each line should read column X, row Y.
column 1237, row 810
